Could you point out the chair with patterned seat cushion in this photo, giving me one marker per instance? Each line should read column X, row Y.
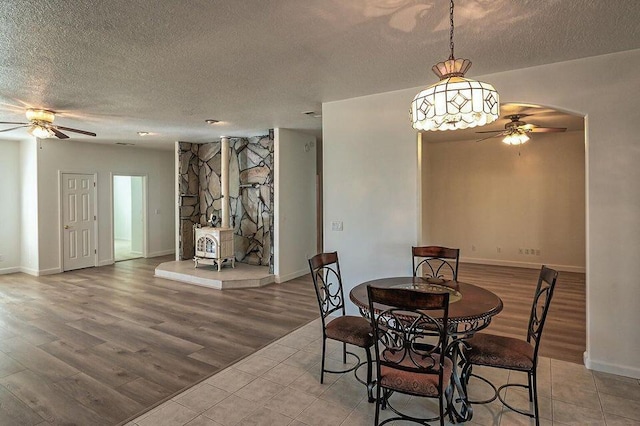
column 408, row 347
column 511, row 353
column 436, row 262
column 347, row 329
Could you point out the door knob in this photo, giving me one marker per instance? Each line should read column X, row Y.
column 67, row 227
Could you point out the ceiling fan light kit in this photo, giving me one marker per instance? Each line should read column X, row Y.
column 516, row 138
column 455, row 102
column 40, row 132
column 41, row 119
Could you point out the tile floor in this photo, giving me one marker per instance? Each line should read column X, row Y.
column 279, row 385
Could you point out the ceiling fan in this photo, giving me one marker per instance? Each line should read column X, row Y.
column 515, row 131
column 41, row 125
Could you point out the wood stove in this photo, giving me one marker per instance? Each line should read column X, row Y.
column 214, row 246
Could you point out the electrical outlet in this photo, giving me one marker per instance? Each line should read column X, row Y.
column 473, row 248
column 532, row 251
column 521, row 251
column 526, row 251
column 336, row 225
column 498, row 249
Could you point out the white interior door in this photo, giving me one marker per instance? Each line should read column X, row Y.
column 78, row 194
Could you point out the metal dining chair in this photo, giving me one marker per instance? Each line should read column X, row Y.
column 436, row 262
column 511, row 353
column 408, row 347
column 354, row 330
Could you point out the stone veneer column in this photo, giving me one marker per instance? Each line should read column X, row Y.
column 224, row 180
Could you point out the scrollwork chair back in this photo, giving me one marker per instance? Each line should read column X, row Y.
column 409, row 343
column 436, row 262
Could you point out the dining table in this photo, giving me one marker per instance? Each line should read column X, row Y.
column 471, row 309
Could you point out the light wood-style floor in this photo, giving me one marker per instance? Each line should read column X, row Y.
column 97, row 346
column 564, row 335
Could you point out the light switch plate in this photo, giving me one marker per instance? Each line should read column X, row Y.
column 336, row 225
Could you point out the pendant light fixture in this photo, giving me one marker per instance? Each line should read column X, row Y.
column 455, row 102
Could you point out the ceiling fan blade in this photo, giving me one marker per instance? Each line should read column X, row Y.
column 525, row 109
column 13, row 128
column 536, row 129
column 539, row 111
column 58, row 133
column 69, row 129
column 492, row 136
column 491, row 131
column 14, row 122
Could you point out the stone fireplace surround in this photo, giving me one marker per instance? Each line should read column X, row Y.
column 250, row 193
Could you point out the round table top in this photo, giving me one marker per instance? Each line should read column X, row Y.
column 467, row 302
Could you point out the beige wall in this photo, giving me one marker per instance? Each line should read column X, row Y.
column 370, row 184
column 371, row 179
column 10, row 211
column 294, row 203
column 29, row 258
column 482, row 197
column 59, row 156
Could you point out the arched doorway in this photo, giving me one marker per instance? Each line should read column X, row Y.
column 511, row 208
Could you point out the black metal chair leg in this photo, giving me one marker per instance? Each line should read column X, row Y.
column 535, row 398
column 324, row 345
column 344, row 353
column 378, row 401
column 385, row 395
column 370, row 383
column 530, row 377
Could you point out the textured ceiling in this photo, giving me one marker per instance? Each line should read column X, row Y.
column 120, row 66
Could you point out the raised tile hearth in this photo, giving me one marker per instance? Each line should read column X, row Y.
column 242, row 276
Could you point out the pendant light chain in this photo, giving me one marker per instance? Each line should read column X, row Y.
column 451, row 32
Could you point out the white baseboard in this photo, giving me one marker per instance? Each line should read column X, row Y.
column 137, row 253
column 49, row 271
column 29, row 271
column 607, row 367
column 161, row 253
column 528, row 265
column 11, row 270
column 38, row 273
column 291, row 276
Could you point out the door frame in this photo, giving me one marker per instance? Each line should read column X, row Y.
column 145, row 213
column 61, row 174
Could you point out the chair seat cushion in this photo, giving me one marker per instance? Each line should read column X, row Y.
column 500, row 351
column 350, row 329
column 414, row 382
